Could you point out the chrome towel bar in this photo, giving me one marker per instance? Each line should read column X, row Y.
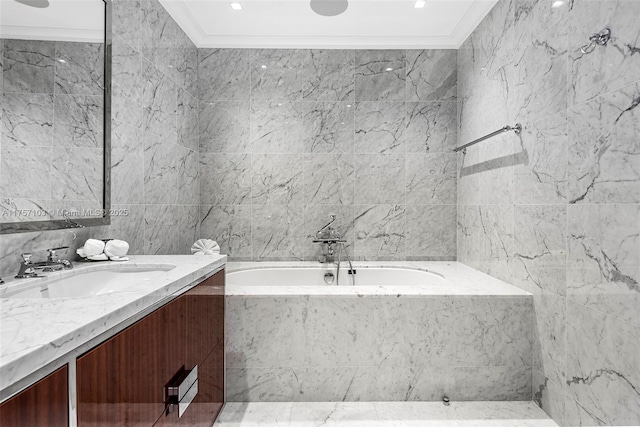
column 517, row 129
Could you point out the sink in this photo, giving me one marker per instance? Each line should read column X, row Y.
column 103, row 281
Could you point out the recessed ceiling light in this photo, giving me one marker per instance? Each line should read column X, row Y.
column 557, row 3
column 419, row 4
column 236, row 6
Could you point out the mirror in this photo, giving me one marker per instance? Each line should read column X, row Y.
column 55, row 62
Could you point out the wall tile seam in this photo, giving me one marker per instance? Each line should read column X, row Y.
column 587, row 409
column 145, row 58
column 571, row 107
column 161, row 139
column 589, row 308
column 166, row 75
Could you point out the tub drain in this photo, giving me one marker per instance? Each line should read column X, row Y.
column 328, row 277
column 445, row 400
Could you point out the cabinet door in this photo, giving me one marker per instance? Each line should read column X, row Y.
column 121, row 381
column 46, row 403
column 204, row 332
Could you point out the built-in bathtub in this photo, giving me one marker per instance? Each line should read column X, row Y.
column 405, row 331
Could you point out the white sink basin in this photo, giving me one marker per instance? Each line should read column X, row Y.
column 94, row 282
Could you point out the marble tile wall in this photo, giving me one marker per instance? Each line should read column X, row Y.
column 288, row 137
column 154, row 143
column 378, row 348
column 556, row 211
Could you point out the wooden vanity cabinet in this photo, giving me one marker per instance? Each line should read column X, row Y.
column 121, row 381
column 45, row 403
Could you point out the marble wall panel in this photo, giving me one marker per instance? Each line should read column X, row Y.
column 431, row 232
column 603, row 259
column 328, row 75
column 602, row 365
column 276, row 127
column 380, row 231
column 379, row 127
column 431, row 127
column 276, row 74
column 328, row 127
column 27, row 119
column 224, row 74
column 224, row 126
column 432, row 75
column 230, row 225
column 604, row 150
column 225, row 178
column 126, row 81
column 380, row 75
column 277, row 232
column 79, row 68
column 28, row 66
column 571, row 177
column 330, row 131
column 379, row 178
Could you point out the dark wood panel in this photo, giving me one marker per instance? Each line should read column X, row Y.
column 46, row 403
column 208, row 402
column 204, row 331
column 121, row 381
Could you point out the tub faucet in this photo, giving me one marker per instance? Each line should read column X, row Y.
column 28, row 268
column 327, row 236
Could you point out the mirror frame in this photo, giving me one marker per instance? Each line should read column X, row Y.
column 58, row 224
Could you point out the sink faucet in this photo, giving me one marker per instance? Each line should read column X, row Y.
column 28, row 268
column 327, row 236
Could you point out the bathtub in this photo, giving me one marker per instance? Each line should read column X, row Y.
column 408, row 278
column 315, row 276
column 405, row 331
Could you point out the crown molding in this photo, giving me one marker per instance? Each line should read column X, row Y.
column 326, row 42
column 181, row 13
column 470, row 21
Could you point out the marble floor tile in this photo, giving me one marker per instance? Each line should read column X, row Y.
column 383, row 414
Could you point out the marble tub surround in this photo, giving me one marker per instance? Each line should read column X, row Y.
column 29, row 343
column 555, row 210
column 51, row 102
column 469, row 337
column 444, row 279
column 288, row 137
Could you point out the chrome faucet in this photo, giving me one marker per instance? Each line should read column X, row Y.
column 327, row 236
column 28, row 268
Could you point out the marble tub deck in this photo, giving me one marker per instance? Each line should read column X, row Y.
column 383, row 414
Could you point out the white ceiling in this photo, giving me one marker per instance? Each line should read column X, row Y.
column 63, row 20
column 384, row 24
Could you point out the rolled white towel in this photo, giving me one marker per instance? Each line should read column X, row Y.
column 92, row 247
column 116, row 249
column 205, row 247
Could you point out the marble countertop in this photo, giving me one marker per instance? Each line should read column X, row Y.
column 35, row 332
column 459, row 280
